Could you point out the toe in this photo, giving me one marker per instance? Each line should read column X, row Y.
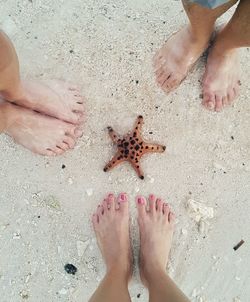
column 123, row 202
column 105, row 205
column 141, row 205
column 171, row 218
column 58, row 150
column 64, row 146
column 209, row 101
column 152, row 200
column 95, row 220
column 225, row 101
column 231, row 96
column 218, row 103
column 166, row 209
column 68, row 140
column 49, row 152
column 159, row 205
column 111, row 201
column 100, row 211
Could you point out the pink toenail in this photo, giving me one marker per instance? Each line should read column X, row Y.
column 151, row 196
column 123, row 197
column 140, row 200
column 110, row 195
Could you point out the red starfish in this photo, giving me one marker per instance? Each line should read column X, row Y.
column 131, row 148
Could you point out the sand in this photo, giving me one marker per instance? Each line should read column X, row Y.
column 204, row 173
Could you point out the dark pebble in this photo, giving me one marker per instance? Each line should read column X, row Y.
column 138, row 296
column 63, row 166
column 70, row 268
column 232, row 137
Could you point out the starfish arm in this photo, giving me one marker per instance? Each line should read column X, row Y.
column 138, row 125
column 113, row 135
column 116, row 160
column 137, row 169
column 153, row 148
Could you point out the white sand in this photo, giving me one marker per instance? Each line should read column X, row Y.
column 113, row 45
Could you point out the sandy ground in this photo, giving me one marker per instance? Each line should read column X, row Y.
column 45, row 210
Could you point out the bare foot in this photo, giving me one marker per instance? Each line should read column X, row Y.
column 221, row 79
column 39, row 133
column 176, row 57
column 156, row 226
column 55, row 98
column 111, row 225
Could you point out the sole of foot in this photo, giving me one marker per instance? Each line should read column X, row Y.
column 221, row 81
column 156, row 225
column 39, row 133
column 174, row 60
column 111, row 225
column 54, row 98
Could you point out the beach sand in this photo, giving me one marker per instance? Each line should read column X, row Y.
column 45, row 210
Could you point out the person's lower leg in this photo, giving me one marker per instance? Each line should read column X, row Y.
column 221, row 81
column 111, row 225
column 184, row 48
column 236, row 33
column 202, row 19
column 9, row 68
column 113, row 287
column 156, row 224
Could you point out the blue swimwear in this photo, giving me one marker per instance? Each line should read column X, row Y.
column 210, row 3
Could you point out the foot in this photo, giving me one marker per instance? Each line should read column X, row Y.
column 221, row 79
column 111, row 225
column 156, row 224
column 39, row 133
column 56, row 98
column 176, row 57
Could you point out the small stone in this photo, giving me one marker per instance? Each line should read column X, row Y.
column 63, row 291
column 63, row 166
column 237, row 278
column 70, row 269
column 184, row 232
column 70, row 181
column 24, row 294
column 16, row 236
column 89, row 191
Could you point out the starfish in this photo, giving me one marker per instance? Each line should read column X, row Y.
column 131, row 148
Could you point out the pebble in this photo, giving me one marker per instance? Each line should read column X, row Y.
column 89, row 191
column 70, row 181
column 24, row 294
column 16, row 236
column 70, row 268
column 184, row 231
column 63, row 291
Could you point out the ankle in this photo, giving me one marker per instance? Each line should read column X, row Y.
column 119, row 271
column 151, row 274
column 13, row 94
column 199, row 38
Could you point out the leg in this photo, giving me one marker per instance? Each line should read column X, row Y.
column 111, row 225
column 39, row 133
column 56, row 98
column 182, row 50
column 221, row 80
column 156, row 230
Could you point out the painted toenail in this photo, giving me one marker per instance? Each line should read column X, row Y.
column 110, row 195
column 140, row 200
column 151, row 196
column 123, row 197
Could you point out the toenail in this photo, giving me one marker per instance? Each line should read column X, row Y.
column 151, row 196
column 123, row 197
column 110, row 195
column 140, row 200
